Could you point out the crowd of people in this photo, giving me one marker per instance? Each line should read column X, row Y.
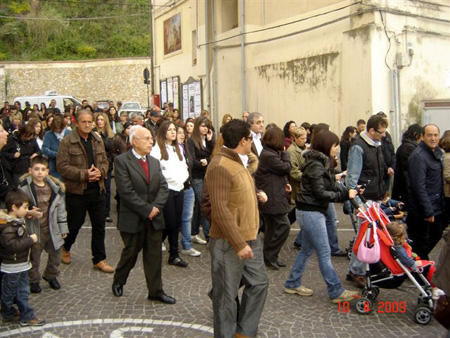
column 224, row 189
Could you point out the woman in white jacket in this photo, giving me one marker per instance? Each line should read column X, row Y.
column 175, row 170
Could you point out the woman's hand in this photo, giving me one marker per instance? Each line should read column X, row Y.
column 209, row 135
column 204, row 162
column 16, row 154
column 352, row 193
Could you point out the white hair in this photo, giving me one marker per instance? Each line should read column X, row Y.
column 133, row 130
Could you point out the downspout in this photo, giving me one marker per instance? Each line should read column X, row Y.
column 207, row 75
column 214, row 84
column 399, row 109
column 243, row 77
column 152, row 54
column 394, row 115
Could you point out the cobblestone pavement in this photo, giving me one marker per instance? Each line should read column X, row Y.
column 85, row 306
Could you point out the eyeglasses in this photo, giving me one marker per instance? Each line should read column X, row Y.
column 380, row 132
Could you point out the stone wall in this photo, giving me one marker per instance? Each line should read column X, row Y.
column 113, row 79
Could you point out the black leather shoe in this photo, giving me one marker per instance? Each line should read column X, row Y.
column 35, row 288
column 53, row 282
column 281, row 264
column 117, row 289
column 177, row 261
column 163, row 299
column 109, row 220
column 272, row 266
column 339, row 254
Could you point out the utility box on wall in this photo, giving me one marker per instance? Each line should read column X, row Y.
column 436, row 112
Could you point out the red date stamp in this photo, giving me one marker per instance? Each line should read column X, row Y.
column 379, row 307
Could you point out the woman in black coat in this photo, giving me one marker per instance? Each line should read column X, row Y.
column 346, row 141
column 271, row 177
column 410, row 140
column 19, row 150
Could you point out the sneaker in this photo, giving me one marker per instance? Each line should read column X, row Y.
column 65, row 257
column 163, row 247
column 345, row 296
column 301, row 291
column 104, row 267
column 35, row 288
column 177, row 261
column 197, row 239
column 33, row 322
column 191, row 252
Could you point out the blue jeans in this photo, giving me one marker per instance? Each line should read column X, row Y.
column 186, row 219
column 331, row 222
column 197, row 184
column 315, row 238
column 356, row 266
column 15, row 288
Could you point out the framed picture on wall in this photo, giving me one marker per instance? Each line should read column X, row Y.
column 172, row 34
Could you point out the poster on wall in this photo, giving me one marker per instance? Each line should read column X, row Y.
column 192, row 98
column 172, row 34
column 169, row 90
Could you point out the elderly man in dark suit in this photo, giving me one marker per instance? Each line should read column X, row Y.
column 143, row 192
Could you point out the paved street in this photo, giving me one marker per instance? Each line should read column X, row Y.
column 85, row 306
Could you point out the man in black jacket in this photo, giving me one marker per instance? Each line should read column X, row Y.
column 426, row 193
column 388, row 154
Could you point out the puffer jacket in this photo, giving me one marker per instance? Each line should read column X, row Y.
column 318, row 186
column 57, row 216
column 15, row 241
column 72, row 162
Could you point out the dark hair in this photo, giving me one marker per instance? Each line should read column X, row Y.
column 189, row 119
column 274, row 139
column 234, row 131
column 16, row 197
column 376, row 121
column 323, row 141
column 346, row 133
column 196, row 136
column 444, row 143
column 271, row 125
column 360, row 121
column 305, row 125
column 318, row 128
column 38, row 160
column 116, row 117
column 412, row 133
column 427, row 125
column 286, row 128
column 58, row 123
column 25, row 130
column 161, row 140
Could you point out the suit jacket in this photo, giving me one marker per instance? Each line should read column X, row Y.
column 137, row 195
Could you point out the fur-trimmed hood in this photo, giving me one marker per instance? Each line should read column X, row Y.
column 314, row 155
column 6, row 220
column 55, row 183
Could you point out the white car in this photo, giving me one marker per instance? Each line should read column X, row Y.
column 132, row 108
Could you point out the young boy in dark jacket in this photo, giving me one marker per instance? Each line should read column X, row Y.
column 15, row 243
column 47, row 193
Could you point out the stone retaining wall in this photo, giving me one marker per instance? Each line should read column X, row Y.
column 114, row 79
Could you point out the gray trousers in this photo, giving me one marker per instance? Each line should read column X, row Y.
column 227, row 272
column 54, row 258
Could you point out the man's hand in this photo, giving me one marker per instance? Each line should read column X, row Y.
column 430, row 219
column 34, row 237
column 94, row 174
column 63, row 236
column 245, row 253
column 287, row 188
column 16, row 154
column 352, row 193
column 262, row 197
column 35, row 213
column 153, row 213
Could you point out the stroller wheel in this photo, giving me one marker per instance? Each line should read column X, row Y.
column 376, row 292
column 422, row 315
column 364, row 306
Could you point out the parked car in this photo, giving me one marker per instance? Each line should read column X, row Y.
column 132, row 108
column 62, row 101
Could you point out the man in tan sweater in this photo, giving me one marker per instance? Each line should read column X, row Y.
column 236, row 251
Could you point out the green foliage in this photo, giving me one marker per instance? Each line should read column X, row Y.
column 125, row 35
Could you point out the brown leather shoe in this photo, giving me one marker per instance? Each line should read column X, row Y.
column 358, row 280
column 238, row 335
column 104, row 267
column 65, row 257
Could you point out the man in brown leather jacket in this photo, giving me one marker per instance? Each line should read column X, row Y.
column 83, row 165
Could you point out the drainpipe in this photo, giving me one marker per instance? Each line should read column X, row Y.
column 214, row 83
column 399, row 107
column 207, row 75
column 394, row 111
column 243, row 77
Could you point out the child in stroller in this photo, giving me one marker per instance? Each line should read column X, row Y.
column 392, row 208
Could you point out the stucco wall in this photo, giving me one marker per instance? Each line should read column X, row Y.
column 115, row 79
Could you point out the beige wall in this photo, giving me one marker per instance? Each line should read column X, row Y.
column 316, row 66
column 117, row 79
